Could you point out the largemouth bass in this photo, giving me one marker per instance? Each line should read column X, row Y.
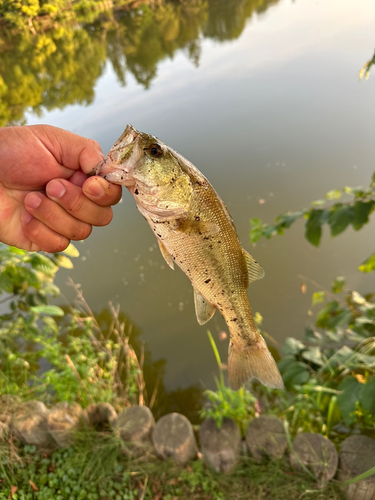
column 195, row 231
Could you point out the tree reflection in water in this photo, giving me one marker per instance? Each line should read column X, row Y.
column 61, row 66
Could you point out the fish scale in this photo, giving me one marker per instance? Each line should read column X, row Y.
column 195, row 232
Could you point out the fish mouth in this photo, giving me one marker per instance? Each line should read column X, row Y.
column 117, row 166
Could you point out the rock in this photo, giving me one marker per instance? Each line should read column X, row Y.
column 134, row 426
column 220, row 447
column 98, row 414
column 318, row 454
column 265, row 437
column 63, row 421
column 357, row 455
column 29, row 423
column 173, row 437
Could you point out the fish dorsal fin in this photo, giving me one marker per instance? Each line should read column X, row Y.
column 167, row 256
column 254, row 270
column 203, row 308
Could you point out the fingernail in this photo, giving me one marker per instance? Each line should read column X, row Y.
column 33, row 200
column 55, row 189
column 26, row 217
column 95, row 190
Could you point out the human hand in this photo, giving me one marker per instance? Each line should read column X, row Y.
column 46, row 197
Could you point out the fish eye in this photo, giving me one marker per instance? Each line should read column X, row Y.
column 155, row 150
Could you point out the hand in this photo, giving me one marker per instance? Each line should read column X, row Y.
column 46, row 197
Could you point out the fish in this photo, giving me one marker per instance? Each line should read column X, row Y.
column 195, row 232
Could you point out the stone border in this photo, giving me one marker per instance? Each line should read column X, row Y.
column 172, row 437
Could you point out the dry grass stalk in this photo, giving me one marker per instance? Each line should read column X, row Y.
column 124, row 352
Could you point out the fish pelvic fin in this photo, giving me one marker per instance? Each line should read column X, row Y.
column 255, row 361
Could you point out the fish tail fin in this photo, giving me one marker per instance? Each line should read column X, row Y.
column 254, row 362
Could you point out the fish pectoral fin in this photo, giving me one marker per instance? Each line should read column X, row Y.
column 254, row 270
column 167, row 256
column 254, row 362
column 203, row 308
column 196, row 227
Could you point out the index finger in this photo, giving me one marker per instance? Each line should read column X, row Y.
column 102, row 192
column 70, row 150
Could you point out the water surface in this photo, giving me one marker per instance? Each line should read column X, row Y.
column 263, row 97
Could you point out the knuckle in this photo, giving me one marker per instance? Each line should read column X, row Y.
column 76, row 204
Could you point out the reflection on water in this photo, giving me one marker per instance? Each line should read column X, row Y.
column 61, row 66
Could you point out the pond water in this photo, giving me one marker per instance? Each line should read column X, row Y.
column 262, row 96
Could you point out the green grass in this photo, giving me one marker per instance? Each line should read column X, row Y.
column 96, row 469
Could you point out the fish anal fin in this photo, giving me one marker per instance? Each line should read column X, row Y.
column 254, row 270
column 254, row 362
column 203, row 308
column 167, row 256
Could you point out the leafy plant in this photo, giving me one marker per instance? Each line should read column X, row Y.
column 86, row 364
column 224, row 402
column 354, row 211
column 333, row 369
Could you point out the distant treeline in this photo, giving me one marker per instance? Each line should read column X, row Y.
column 52, row 52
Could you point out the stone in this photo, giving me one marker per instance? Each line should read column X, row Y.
column 173, row 437
column 134, row 426
column 318, row 454
column 220, row 447
column 357, row 455
column 29, row 424
column 97, row 414
column 265, row 437
column 63, row 421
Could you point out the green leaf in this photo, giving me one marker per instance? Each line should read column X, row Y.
column 314, row 223
column 333, row 414
column 340, row 217
column 338, row 284
column 48, row 310
column 318, row 298
column 368, row 265
column 292, row 346
column 318, row 203
column 335, row 194
column 314, row 355
column 43, row 263
column 285, row 362
column 324, row 315
column 286, row 220
column 361, row 212
column 63, row 261
column 366, row 395
column 6, row 282
column 346, row 401
column 17, row 251
column 71, row 251
column 296, row 374
column 339, row 319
